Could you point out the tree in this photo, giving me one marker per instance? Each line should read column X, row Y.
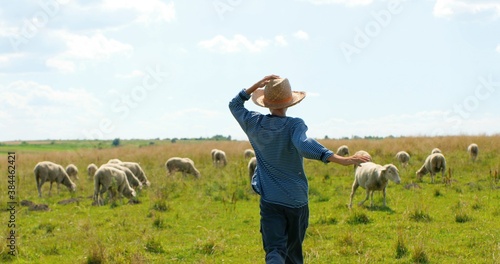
column 116, row 142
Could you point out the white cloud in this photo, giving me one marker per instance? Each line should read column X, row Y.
column 237, row 44
column 350, row 3
column 450, row 8
column 498, row 48
column 41, row 111
column 301, row 35
column 84, row 48
column 280, row 41
column 149, row 10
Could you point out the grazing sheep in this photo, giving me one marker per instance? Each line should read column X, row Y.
column 132, row 180
column 473, row 151
column 51, row 172
column 249, row 153
column 219, row 158
column 403, row 157
column 343, row 151
column 252, row 164
column 114, row 161
column 137, row 171
column 374, row 177
column 184, row 165
column 436, row 150
column 72, row 171
column 433, row 164
column 91, row 169
column 362, row 153
column 112, row 180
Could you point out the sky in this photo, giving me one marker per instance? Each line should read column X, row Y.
column 75, row 69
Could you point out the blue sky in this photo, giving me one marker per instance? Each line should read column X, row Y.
column 125, row 69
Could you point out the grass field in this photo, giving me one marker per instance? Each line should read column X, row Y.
column 215, row 219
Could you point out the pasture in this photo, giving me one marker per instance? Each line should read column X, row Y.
column 215, row 219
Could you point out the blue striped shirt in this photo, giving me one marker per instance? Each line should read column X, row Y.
column 280, row 145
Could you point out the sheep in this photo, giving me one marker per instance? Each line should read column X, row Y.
column 249, row 153
column 91, row 169
column 433, row 164
column 137, row 171
column 184, row 165
column 343, row 151
column 252, row 165
column 113, row 180
column 114, row 161
column 132, row 180
column 436, row 150
column 364, row 154
column 473, row 151
column 52, row 172
column 374, row 177
column 219, row 158
column 403, row 157
column 72, row 171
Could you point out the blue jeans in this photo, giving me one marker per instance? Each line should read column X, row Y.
column 283, row 231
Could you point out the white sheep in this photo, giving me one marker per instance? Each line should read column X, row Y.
column 184, row 165
column 131, row 178
column 374, row 177
column 135, row 168
column 91, row 169
column 403, row 157
column 473, row 151
column 52, row 172
column 433, row 164
column 364, row 154
column 72, row 171
column 138, row 172
column 252, row 165
column 436, row 150
column 343, row 151
column 249, row 153
column 114, row 161
column 112, row 180
column 219, row 158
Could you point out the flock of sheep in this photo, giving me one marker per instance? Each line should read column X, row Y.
column 120, row 178
column 374, row 177
column 116, row 177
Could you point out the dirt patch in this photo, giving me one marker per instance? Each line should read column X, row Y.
column 34, row 207
column 68, row 201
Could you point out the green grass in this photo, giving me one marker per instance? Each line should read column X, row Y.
column 215, row 219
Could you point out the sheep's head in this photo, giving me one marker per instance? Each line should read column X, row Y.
column 129, row 193
column 392, row 173
column 72, row 187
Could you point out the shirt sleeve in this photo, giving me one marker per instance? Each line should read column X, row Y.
column 309, row 147
column 237, row 108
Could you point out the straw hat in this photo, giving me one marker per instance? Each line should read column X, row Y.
column 277, row 94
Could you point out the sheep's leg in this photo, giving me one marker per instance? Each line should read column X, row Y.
column 355, row 186
column 432, row 177
column 50, row 189
column 39, row 186
column 383, row 193
column 366, row 198
column 371, row 198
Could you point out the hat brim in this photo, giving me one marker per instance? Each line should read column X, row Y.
column 258, row 99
